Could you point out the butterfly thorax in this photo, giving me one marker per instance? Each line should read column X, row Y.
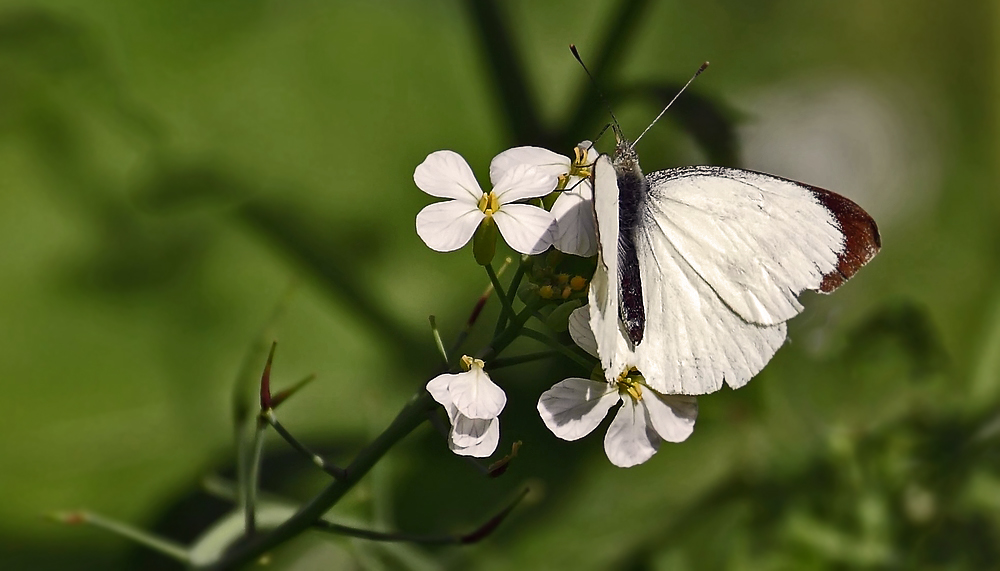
column 632, row 191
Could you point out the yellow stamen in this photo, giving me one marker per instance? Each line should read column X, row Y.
column 468, row 362
column 630, row 384
column 489, row 204
column 580, row 167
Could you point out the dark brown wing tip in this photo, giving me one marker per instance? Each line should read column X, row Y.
column 861, row 238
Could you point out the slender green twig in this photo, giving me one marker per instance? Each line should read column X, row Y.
column 521, row 359
column 502, row 341
column 437, row 340
column 555, row 344
column 331, row 469
column 515, row 283
column 478, row 534
column 156, row 543
column 253, row 477
column 506, row 308
column 242, row 464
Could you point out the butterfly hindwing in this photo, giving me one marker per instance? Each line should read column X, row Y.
column 693, row 340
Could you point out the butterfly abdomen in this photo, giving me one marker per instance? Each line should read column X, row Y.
column 632, row 190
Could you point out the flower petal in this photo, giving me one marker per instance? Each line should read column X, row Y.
column 672, row 416
column 438, row 387
column 445, row 174
column 574, row 407
column 546, row 162
column 475, row 437
column 576, row 231
column 467, row 431
column 447, row 226
column 475, row 395
column 630, row 439
column 522, row 182
column 527, row 229
column 580, row 331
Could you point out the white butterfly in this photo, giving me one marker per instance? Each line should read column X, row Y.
column 699, row 267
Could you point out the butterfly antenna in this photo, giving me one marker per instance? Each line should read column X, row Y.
column 617, row 128
column 696, row 74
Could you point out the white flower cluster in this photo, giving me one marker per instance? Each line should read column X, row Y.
column 573, row 407
column 517, row 175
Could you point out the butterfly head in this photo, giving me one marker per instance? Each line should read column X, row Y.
column 625, row 160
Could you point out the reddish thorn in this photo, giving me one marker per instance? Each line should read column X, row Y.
column 494, row 522
column 477, row 310
column 265, row 380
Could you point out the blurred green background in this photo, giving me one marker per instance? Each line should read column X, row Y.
column 169, row 170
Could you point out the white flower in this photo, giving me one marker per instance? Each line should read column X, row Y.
column 573, row 210
column 574, row 407
column 473, row 403
column 447, row 226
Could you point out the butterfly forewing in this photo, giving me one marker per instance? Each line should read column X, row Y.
column 604, row 294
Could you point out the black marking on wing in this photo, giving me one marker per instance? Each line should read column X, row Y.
column 861, row 238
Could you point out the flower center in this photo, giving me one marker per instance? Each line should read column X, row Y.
column 489, row 204
column 630, row 382
column 468, row 362
column 578, row 167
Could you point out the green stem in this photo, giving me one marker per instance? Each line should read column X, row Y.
column 242, row 457
column 331, row 469
column 156, row 543
column 506, row 311
column 477, row 534
column 412, row 415
column 521, row 359
column 515, row 283
column 502, row 341
column 252, row 482
column 437, row 340
column 555, row 344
